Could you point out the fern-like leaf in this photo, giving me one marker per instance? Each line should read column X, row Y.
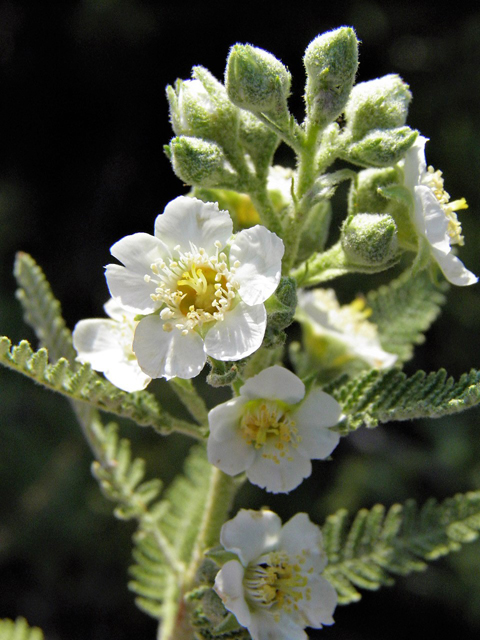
column 81, row 383
column 19, row 630
column 42, row 310
column 181, row 519
column 404, row 309
column 377, row 397
column 366, row 553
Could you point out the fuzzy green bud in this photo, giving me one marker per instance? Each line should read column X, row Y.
column 377, row 104
column 365, row 193
column 200, row 163
column 257, row 81
column 200, row 107
column 381, row 148
column 369, row 239
column 377, row 191
column 331, row 62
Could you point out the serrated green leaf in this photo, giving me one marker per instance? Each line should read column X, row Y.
column 403, row 311
column 375, row 546
column 377, row 397
column 19, row 630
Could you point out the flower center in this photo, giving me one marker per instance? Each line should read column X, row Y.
column 199, row 286
column 193, row 290
column 434, row 180
column 267, row 421
column 276, row 582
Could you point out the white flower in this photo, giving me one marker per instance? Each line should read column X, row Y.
column 345, row 326
column 107, row 346
column 203, row 290
column 270, row 433
column 434, row 215
column 275, row 589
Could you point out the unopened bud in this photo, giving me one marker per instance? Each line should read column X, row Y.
column 331, row 62
column 200, row 163
column 200, row 107
column 381, row 148
column 377, row 104
column 257, row 81
column 369, row 239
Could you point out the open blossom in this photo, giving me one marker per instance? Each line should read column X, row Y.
column 340, row 333
column 200, row 289
column 106, row 344
column 275, row 589
column 272, row 431
column 434, row 215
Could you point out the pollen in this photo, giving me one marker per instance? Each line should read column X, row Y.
column 194, row 288
column 276, row 583
column 268, row 421
column 434, row 180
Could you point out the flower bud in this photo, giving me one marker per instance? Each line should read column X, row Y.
column 365, row 193
column 369, row 239
column 198, row 162
column 381, row 148
column 200, row 107
column 381, row 191
column 331, row 62
column 257, row 81
column 377, row 104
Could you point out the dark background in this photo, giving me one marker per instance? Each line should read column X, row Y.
column 81, row 165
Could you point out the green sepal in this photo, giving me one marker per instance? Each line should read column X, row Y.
column 377, row 104
column 201, row 163
column 220, row 556
column 380, row 148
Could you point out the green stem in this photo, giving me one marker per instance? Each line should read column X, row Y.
column 219, row 501
column 221, row 493
column 306, row 177
column 263, row 205
column 321, row 267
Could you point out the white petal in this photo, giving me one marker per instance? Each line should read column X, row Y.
column 229, row 587
column 128, row 376
column 319, row 608
column 138, row 251
column 279, row 476
column 226, row 449
column 415, row 163
column 264, row 626
column 225, row 418
column 118, row 311
column 301, row 534
column 189, row 220
column 97, row 342
column 430, row 219
column 167, row 354
column 231, row 456
column 318, row 410
column 251, row 533
column 260, row 253
column 274, row 383
column 453, row 269
column 130, row 288
column 239, row 334
column 369, row 349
